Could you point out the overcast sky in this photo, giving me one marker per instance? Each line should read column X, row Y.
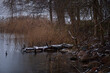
column 1, row 1
column 3, row 10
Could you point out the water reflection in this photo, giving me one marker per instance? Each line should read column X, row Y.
column 13, row 61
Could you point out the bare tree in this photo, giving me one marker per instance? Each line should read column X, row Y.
column 50, row 10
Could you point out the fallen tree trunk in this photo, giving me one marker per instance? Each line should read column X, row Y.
column 47, row 48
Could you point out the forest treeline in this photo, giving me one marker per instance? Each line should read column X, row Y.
column 78, row 11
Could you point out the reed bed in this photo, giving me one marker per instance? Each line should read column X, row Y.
column 35, row 31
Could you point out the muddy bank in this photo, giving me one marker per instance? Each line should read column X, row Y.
column 93, row 59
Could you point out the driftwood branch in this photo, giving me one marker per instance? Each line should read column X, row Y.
column 71, row 35
column 74, row 38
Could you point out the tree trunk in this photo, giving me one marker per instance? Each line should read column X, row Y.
column 78, row 19
column 95, row 17
column 61, row 17
column 50, row 10
column 98, row 16
column 73, row 21
column 60, row 11
column 100, row 19
column 71, row 12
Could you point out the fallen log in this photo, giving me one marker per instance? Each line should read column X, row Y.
column 47, row 48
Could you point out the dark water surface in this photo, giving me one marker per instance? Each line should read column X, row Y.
column 15, row 62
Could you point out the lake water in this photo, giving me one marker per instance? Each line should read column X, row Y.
column 16, row 62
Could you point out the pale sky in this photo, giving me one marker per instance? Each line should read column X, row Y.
column 3, row 10
column 1, row 1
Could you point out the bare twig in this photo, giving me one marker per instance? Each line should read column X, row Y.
column 74, row 38
column 76, row 68
column 103, row 20
column 71, row 35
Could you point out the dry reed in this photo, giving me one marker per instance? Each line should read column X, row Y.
column 36, row 31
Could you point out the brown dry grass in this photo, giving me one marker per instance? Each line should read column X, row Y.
column 46, row 34
column 37, row 31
